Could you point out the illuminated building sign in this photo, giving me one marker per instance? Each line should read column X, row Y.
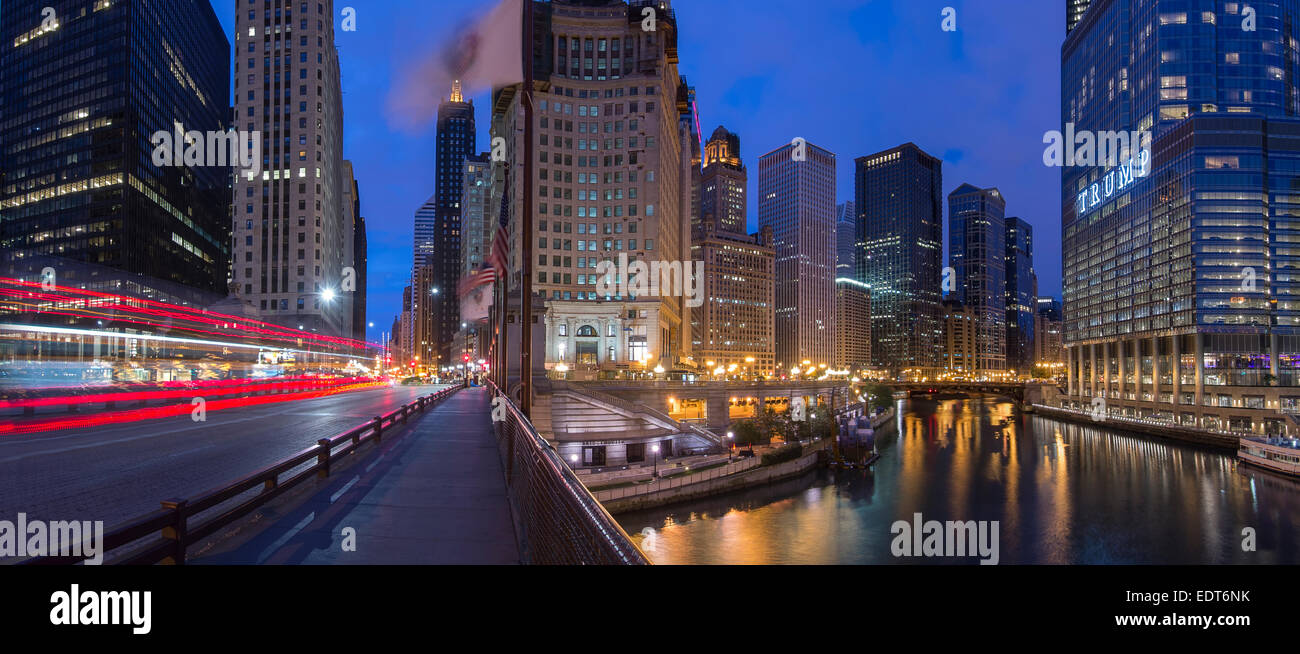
column 1114, row 182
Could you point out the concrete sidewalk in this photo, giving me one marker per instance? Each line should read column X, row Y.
column 434, row 495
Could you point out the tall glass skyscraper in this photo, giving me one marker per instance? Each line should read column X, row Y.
column 1182, row 296
column 899, row 203
column 1021, row 295
column 977, row 236
column 82, row 95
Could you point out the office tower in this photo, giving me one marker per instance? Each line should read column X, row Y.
column 81, row 102
column 1176, row 259
column 723, row 183
column 478, row 220
column 290, row 231
column 1047, row 334
column 796, row 186
column 959, row 340
column 457, row 140
column 900, row 242
column 354, row 291
column 1050, row 307
column 977, row 243
column 735, row 326
column 846, row 239
column 426, row 231
column 608, row 171
column 1074, row 10
column 852, row 325
column 426, row 293
column 405, row 335
column 1021, row 295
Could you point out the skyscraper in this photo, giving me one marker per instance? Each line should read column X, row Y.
column 426, row 233
column 291, row 234
column 608, row 181
column 457, row 139
column 852, row 324
column 1047, row 333
column 1074, row 10
column 1176, row 258
column 900, row 242
column 477, row 216
column 353, row 287
column 735, row 326
column 977, row 240
column 846, row 239
column 1021, row 295
column 82, row 102
column 796, row 187
column 723, row 184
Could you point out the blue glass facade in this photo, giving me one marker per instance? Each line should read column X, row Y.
column 977, row 252
column 1021, row 295
column 1182, row 287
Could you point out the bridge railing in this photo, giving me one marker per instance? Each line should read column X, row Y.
column 182, row 522
column 557, row 520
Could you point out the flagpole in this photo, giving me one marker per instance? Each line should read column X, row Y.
column 526, row 228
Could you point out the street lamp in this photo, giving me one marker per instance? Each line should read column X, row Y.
column 731, row 445
column 655, row 450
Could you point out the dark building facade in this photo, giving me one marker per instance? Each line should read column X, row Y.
column 1181, row 303
column 457, row 140
column 82, row 96
column 1074, row 10
column 899, row 203
column 977, row 251
column 1021, row 295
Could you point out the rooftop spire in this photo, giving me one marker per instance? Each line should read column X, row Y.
column 456, row 95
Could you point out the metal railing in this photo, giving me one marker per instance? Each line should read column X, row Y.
column 173, row 525
column 557, row 520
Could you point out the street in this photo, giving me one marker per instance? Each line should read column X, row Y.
column 121, row 472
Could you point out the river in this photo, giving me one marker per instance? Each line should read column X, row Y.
column 1060, row 493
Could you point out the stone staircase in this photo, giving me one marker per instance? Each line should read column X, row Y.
column 589, row 414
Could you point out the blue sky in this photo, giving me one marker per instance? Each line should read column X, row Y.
column 852, row 76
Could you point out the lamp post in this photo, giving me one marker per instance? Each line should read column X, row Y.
column 731, row 445
column 654, row 449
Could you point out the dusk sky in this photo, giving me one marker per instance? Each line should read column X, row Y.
column 852, row 76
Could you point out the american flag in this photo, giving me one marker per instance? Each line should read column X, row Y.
column 497, row 260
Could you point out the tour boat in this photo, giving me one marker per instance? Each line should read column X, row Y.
column 1276, row 453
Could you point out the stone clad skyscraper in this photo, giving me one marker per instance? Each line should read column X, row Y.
column 796, row 191
column 457, row 141
column 291, row 234
column 608, row 171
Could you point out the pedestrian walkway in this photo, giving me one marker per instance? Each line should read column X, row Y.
column 434, row 495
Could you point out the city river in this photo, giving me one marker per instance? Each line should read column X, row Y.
column 1060, row 492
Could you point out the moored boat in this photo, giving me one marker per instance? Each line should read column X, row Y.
column 1274, row 453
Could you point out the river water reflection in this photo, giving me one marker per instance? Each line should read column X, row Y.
column 1061, row 493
